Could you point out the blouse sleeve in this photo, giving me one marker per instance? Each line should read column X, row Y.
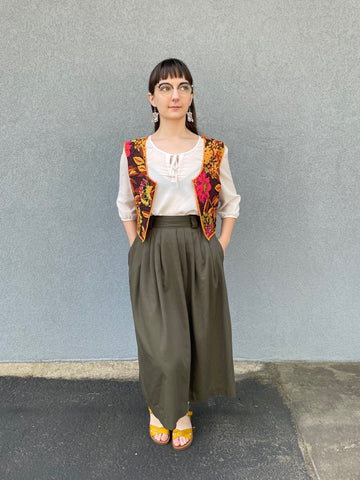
column 229, row 198
column 125, row 199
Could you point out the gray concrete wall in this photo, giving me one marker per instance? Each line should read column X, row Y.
column 278, row 81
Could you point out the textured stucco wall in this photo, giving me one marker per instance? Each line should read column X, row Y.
column 277, row 80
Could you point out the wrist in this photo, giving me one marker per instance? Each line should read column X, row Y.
column 224, row 241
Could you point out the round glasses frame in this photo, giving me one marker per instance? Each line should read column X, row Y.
column 184, row 89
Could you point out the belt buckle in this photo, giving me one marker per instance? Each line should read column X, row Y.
column 194, row 221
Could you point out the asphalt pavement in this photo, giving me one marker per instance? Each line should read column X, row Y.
column 289, row 421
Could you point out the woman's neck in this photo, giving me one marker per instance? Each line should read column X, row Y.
column 172, row 131
column 172, row 140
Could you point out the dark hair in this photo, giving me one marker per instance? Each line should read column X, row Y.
column 174, row 68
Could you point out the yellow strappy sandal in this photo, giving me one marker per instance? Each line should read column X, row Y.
column 155, row 430
column 187, row 433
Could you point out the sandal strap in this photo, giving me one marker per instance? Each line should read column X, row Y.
column 187, row 433
column 155, row 430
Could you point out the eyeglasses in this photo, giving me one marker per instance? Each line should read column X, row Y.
column 183, row 89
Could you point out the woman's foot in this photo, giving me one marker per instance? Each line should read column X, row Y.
column 182, row 424
column 162, row 437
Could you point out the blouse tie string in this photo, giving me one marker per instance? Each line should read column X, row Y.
column 173, row 161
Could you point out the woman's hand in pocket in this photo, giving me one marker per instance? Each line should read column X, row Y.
column 223, row 243
column 132, row 241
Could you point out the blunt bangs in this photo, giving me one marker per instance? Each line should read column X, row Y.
column 171, row 67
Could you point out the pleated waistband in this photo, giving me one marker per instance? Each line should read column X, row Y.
column 167, row 221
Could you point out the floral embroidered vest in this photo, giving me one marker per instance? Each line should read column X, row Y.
column 206, row 184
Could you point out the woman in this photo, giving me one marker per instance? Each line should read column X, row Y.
column 172, row 185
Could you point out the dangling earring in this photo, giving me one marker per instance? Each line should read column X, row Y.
column 155, row 116
column 189, row 116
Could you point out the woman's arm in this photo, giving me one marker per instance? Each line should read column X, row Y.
column 125, row 200
column 229, row 202
column 227, row 225
column 130, row 227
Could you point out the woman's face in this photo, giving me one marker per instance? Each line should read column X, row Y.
column 172, row 97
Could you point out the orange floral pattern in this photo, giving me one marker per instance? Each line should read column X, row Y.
column 207, row 184
column 141, row 184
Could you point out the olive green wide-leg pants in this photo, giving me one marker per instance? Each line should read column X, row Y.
column 181, row 315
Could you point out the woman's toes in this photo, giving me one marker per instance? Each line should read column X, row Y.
column 180, row 441
column 162, row 437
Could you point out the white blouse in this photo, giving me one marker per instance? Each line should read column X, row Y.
column 175, row 194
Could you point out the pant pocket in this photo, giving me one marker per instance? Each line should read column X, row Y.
column 132, row 246
column 219, row 247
